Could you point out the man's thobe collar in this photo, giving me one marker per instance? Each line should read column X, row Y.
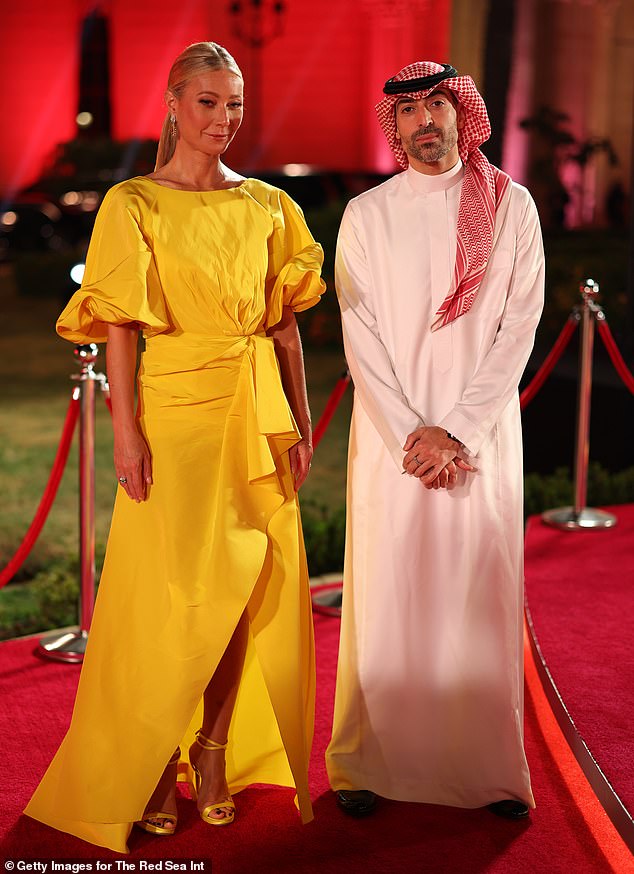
column 427, row 184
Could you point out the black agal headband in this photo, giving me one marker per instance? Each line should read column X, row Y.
column 406, row 86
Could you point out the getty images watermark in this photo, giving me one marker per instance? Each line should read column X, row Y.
column 116, row 866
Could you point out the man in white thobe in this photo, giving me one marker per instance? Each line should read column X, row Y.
column 439, row 275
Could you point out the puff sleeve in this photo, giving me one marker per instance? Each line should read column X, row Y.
column 120, row 285
column 295, row 259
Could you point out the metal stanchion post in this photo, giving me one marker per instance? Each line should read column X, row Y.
column 70, row 646
column 581, row 517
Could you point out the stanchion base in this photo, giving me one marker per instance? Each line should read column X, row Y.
column 327, row 598
column 568, row 519
column 68, row 647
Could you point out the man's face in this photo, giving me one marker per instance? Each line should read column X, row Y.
column 428, row 131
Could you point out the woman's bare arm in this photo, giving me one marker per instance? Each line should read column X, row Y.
column 288, row 348
column 131, row 454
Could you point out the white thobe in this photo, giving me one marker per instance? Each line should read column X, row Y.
column 429, row 698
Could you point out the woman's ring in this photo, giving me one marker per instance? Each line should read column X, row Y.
column 123, row 480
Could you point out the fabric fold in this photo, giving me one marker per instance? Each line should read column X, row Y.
column 276, row 427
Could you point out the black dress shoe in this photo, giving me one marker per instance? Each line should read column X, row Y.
column 356, row 802
column 509, row 809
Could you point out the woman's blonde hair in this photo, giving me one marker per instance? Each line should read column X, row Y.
column 201, row 57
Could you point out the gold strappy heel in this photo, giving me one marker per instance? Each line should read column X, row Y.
column 226, row 804
column 148, row 826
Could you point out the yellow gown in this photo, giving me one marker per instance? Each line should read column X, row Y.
column 204, row 274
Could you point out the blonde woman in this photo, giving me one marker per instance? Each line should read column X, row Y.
column 200, row 659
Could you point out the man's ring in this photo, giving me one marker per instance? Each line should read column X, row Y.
column 123, row 480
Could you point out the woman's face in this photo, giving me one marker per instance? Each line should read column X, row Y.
column 209, row 111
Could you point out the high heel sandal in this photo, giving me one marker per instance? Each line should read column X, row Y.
column 227, row 805
column 148, row 826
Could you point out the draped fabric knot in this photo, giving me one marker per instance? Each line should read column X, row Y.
column 266, row 424
column 269, row 417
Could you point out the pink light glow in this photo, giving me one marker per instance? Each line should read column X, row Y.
column 39, row 64
column 319, row 82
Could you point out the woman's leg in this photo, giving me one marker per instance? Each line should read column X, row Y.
column 163, row 798
column 219, row 700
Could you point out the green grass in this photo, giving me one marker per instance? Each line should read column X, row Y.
column 18, row 610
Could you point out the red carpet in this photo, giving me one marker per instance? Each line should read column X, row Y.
column 567, row 834
column 584, row 582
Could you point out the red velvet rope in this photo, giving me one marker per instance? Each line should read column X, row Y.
column 48, row 497
column 333, row 402
column 549, row 362
column 615, row 355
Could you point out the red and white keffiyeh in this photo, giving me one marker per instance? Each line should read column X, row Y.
column 483, row 185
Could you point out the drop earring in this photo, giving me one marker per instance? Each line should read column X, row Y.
column 173, row 124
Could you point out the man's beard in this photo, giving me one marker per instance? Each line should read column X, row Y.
column 429, row 153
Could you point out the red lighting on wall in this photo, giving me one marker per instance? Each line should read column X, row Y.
column 319, row 77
